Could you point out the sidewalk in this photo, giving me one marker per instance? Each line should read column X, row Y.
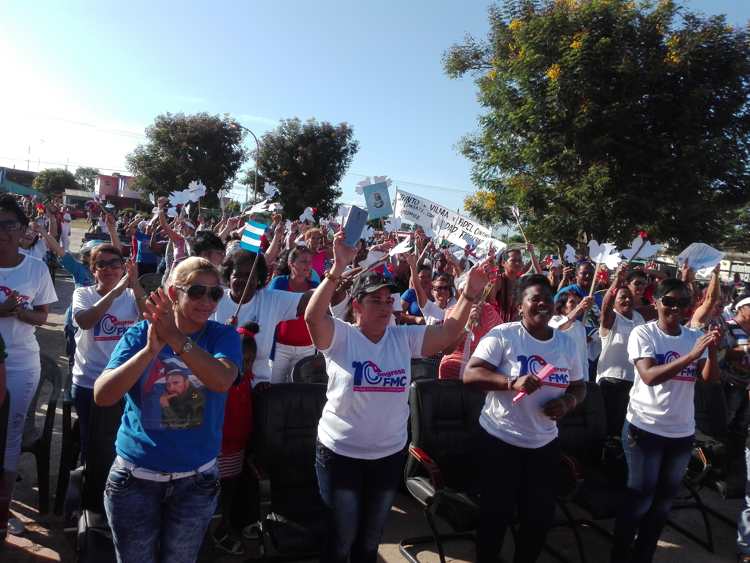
column 45, row 540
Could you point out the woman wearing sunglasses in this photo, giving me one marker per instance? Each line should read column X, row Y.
column 260, row 305
column 174, row 370
column 101, row 314
column 433, row 310
column 26, row 291
column 658, row 432
column 362, row 433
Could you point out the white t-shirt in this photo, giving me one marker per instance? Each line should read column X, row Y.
column 515, row 352
column 433, row 314
column 31, row 280
column 94, row 346
column 665, row 409
column 38, row 251
column 614, row 361
column 268, row 307
column 367, row 409
column 578, row 333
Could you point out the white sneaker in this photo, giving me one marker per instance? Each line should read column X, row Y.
column 15, row 527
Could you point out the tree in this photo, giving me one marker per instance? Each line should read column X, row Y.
column 86, row 177
column 604, row 117
column 54, row 181
column 305, row 161
column 182, row 148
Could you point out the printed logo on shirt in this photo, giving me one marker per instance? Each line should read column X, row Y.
column 25, row 300
column 368, row 377
column 110, row 327
column 532, row 365
column 687, row 374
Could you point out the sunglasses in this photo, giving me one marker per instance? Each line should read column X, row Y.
column 672, row 302
column 196, row 292
column 111, row 264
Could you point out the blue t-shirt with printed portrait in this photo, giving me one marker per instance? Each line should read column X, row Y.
column 172, row 422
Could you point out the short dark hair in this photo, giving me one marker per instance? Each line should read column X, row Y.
column 10, row 204
column 669, row 285
column 104, row 247
column 561, row 299
column 205, row 241
column 531, row 281
column 241, row 256
column 633, row 274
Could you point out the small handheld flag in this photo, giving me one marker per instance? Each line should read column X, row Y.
column 251, row 235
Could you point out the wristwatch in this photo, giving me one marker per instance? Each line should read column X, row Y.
column 186, row 347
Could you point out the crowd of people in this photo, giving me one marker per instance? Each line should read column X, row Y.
column 226, row 323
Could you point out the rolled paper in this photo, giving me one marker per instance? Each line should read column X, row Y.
column 545, row 372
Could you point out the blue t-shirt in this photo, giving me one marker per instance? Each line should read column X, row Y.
column 172, row 422
column 144, row 255
column 410, row 296
column 82, row 277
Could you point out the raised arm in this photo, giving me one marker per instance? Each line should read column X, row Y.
column 713, row 295
column 52, row 244
column 274, row 249
column 607, row 319
column 440, row 337
column 109, row 220
column 318, row 321
column 422, row 298
column 534, row 260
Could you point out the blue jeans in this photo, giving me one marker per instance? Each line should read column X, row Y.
column 743, row 520
column 82, row 397
column 656, row 466
column 159, row 522
column 359, row 494
column 515, row 482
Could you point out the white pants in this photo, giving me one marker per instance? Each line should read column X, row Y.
column 285, row 359
column 65, row 237
column 21, row 385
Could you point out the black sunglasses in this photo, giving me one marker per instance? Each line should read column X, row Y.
column 103, row 264
column 671, row 302
column 195, row 292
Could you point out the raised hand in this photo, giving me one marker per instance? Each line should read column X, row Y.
column 342, row 254
column 478, row 279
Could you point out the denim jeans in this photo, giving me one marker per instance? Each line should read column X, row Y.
column 82, row 397
column 359, row 494
column 743, row 520
column 159, row 522
column 515, row 481
column 656, row 466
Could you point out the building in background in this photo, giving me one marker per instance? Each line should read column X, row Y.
column 15, row 181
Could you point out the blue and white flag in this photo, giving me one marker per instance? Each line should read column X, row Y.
column 251, row 236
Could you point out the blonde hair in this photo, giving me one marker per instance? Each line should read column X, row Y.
column 186, row 271
column 310, row 232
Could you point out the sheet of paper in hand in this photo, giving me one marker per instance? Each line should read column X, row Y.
column 378, row 200
column 701, row 257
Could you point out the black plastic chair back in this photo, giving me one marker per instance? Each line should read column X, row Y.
column 285, row 432
column 49, row 388
column 103, row 425
column 582, row 433
column 711, row 413
column 445, row 424
column 311, row 369
column 424, row 369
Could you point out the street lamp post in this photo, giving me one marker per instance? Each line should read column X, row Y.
column 257, row 146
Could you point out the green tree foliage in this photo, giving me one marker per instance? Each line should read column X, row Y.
column 603, row 117
column 305, row 161
column 86, row 177
column 181, row 148
column 54, row 181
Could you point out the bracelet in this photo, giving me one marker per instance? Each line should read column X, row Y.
column 332, row 277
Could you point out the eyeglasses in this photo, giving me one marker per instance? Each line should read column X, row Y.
column 638, row 283
column 441, row 287
column 111, row 264
column 10, row 226
column 672, row 302
column 196, row 292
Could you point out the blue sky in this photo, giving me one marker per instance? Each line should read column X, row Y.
column 81, row 80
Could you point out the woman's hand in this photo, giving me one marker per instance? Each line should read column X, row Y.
column 710, row 339
column 478, row 278
column 526, row 383
column 584, row 305
column 159, row 312
column 131, row 273
column 342, row 254
column 154, row 344
column 9, row 307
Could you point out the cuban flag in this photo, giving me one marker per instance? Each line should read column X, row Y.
column 251, row 236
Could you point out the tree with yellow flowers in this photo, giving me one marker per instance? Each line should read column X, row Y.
column 604, row 117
